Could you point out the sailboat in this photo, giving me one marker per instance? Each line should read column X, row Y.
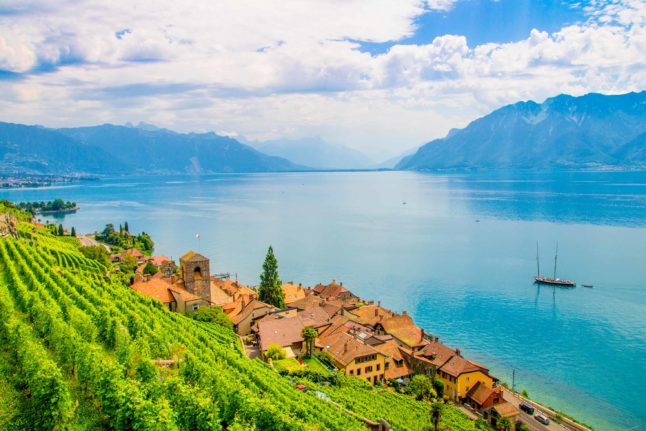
column 553, row 280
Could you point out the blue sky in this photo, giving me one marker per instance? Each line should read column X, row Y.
column 380, row 76
column 484, row 21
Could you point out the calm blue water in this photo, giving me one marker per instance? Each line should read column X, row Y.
column 469, row 282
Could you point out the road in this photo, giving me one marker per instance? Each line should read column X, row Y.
column 529, row 420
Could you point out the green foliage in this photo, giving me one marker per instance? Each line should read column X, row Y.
column 52, row 206
column 504, row 424
column 309, row 334
column 150, row 268
column 482, row 424
column 287, row 366
column 98, row 253
column 269, row 290
column 524, row 393
column 212, row 315
column 275, row 352
column 123, row 239
column 523, row 427
column 436, row 414
column 421, row 387
column 73, row 232
column 438, row 385
column 61, row 230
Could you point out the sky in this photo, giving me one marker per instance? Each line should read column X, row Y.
column 379, row 76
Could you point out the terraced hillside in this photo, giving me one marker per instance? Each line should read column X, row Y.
column 80, row 351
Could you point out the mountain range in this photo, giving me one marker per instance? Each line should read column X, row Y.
column 591, row 131
column 111, row 149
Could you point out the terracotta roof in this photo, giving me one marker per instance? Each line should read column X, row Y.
column 403, row 328
column 372, row 314
column 308, row 301
column 159, row 260
column 184, row 294
column 448, row 360
column 134, row 252
column 293, row 292
column 156, row 288
column 314, row 316
column 458, row 365
column 332, row 290
column 506, row 410
column 344, row 348
column 248, row 309
column 284, row 332
column 331, row 309
column 392, row 350
column 218, row 295
column 480, row 392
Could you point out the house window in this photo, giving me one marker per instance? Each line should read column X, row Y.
column 387, row 365
column 467, row 380
column 378, row 367
column 196, row 306
column 358, row 371
column 369, row 369
column 352, row 372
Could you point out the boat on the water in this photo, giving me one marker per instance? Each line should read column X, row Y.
column 552, row 281
column 588, row 286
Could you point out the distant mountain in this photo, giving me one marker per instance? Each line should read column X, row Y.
column 110, row 149
column 315, row 152
column 393, row 161
column 563, row 132
column 155, row 150
column 35, row 149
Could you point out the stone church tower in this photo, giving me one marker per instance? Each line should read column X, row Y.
column 196, row 273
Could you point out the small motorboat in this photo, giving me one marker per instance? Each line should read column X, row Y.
column 589, row 286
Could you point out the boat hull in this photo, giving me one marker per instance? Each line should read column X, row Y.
column 554, row 281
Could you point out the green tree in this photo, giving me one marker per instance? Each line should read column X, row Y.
column 98, row 253
column 309, row 334
column 275, row 352
column 523, row 427
column 125, row 227
column 438, row 385
column 524, row 393
column 61, row 231
column 421, row 387
column 73, row 233
column 436, row 415
column 150, row 268
column 504, row 424
column 269, row 289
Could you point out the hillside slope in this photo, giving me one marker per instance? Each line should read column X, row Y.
column 78, row 351
column 33, row 149
column 563, row 132
column 164, row 151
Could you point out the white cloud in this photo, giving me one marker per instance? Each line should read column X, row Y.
column 267, row 69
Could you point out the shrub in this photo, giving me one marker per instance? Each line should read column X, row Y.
column 213, row 315
column 275, row 352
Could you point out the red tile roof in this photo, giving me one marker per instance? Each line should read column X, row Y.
column 344, row 348
column 284, row 332
column 156, row 288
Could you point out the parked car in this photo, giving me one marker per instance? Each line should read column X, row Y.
column 527, row 408
column 301, row 388
column 542, row 419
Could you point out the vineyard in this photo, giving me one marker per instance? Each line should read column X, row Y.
column 81, row 351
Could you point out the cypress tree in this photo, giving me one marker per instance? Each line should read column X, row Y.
column 269, row 289
column 125, row 226
column 61, row 231
column 73, row 231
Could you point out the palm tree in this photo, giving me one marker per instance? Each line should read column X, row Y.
column 309, row 334
column 436, row 415
column 504, row 424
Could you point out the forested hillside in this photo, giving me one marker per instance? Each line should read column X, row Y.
column 80, row 351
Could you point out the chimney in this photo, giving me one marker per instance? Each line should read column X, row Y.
column 422, row 334
column 147, row 277
column 378, row 303
column 341, row 284
column 458, row 352
column 334, row 281
column 437, row 339
column 404, row 313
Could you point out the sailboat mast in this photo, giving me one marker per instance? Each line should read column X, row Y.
column 556, row 255
column 538, row 263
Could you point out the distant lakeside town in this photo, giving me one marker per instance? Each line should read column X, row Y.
column 295, row 328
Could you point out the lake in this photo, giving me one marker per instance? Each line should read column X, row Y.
column 457, row 251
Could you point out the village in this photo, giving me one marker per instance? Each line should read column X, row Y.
column 359, row 338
